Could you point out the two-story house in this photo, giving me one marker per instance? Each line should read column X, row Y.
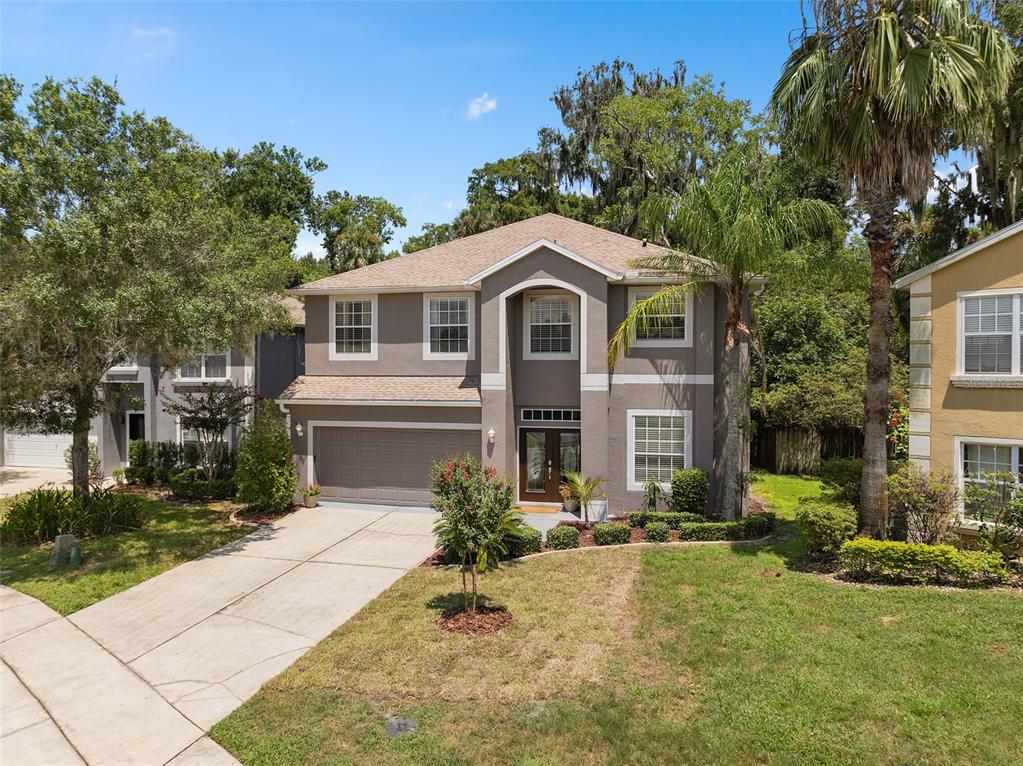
column 966, row 359
column 134, row 391
column 496, row 345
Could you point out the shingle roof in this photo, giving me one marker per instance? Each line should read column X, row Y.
column 386, row 388
column 452, row 263
column 296, row 308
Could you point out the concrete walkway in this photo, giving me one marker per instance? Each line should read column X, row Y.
column 138, row 678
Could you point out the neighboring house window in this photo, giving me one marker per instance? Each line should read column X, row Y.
column 354, row 328
column 448, row 323
column 206, row 366
column 127, row 362
column 191, row 435
column 668, row 327
column 979, row 457
column 991, row 337
column 549, row 327
column 659, row 445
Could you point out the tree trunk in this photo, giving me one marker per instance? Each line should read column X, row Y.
column 880, row 233
column 80, row 456
column 730, row 500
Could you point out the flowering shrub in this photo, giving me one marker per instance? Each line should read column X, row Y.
column 477, row 525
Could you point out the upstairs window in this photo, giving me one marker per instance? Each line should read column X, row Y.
column 991, row 340
column 666, row 327
column 210, row 365
column 354, row 328
column 127, row 362
column 549, row 327
column 448, row 321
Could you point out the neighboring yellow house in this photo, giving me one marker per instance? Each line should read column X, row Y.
column 966, row 359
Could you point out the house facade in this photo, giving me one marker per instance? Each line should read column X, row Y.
column 966, row 359
column 134, row 395
column 496, row 345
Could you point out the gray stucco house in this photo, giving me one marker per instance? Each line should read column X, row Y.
column 496, row 344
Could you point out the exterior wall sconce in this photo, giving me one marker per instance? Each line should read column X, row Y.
column 491, row 436
column 299, row 429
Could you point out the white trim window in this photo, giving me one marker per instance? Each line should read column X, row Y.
column 976, row 457
column 127, row 363
column 209, row 365
column 448, row 326
column 990, row 340
column 549, row 326
column 191, row 436
column 660, row 443
column 667, row 329
column 353, row 327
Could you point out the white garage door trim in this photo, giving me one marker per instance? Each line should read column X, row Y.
column 312, row 425
column 31, row 450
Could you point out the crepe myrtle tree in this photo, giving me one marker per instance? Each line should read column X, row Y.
column 729, row 229
column 882, row 87
column 117, row 235
column 210, row 410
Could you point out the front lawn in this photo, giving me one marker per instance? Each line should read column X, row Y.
column 172, row 535
column 710, row 655
column 782, row 492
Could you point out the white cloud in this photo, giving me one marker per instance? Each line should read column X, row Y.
column 449, row 204
column 480, row 106
column 156, row 32
column 152, row 42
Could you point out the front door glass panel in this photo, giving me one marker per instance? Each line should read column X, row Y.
column 536, row 461
column 569, row 452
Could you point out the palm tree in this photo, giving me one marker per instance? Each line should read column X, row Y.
column 585, row 489
column 881, row 87
column 729, row 229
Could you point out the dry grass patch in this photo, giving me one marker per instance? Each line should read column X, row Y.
column 570, row 612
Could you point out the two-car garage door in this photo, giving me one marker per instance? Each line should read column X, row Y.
column 35, row 450
column 384, row 465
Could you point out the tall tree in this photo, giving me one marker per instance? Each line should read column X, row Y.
column 882, row 86
column 730, row 229
column 116, row 238
column 356, row 229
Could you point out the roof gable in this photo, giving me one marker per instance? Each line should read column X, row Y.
column 958, row 255
column 540, row 244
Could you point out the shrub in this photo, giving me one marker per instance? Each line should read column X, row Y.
column 562, row 538
column 139, row 453
column 477, row 519
column 997, row 501
column 265, row 474
column 842, row 477
column 689, row 490
column 892, row 561
column 672, row 519
column 746, row 528
column 922, row 506
column 42, row 514
column 611, row 533
column 825, row 526
column 135, row 474
column 191, row 485
column 526, row 541
column 95, row 463
column 657, row 532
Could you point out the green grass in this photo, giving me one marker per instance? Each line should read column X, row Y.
column 172, row 535
column 782, row 493
column 645, row 656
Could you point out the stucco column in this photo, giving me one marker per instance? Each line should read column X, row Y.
column 593, row 384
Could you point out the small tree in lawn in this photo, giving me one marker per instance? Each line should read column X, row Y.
column 265, row 473
column 210, row 410
column 477, row 521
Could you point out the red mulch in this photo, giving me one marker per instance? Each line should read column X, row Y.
column 483, row 622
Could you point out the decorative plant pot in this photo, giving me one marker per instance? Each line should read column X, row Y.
column 571, row 504
column 311, row 501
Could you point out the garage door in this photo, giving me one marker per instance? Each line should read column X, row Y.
column 35, row 450
column 384, row 465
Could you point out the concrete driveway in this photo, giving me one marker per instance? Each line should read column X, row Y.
column 14, row 479
column 138, row 678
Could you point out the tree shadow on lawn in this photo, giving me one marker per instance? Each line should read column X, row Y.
column 786, row 543
column 449, row 603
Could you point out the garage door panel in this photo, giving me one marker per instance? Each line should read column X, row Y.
column 36, row 450
column 385, row 465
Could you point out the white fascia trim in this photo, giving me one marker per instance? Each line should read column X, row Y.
column 381, row 402
column 459, row 288
column 332, row 352
column 532, row 248
column 686, row 342
column 459, row 355
column 502, row 328
column 957, row 460
column 630, row 455
column 675, row 379
column 312, row 425
column 527, row 353
column 948, row 260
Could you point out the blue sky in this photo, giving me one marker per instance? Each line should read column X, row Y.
column 383, row 92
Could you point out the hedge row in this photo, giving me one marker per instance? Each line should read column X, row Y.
column 611, row 533
column 896, row 562
column 746, row 528
column 672, row 518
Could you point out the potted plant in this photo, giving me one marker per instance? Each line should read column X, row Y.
column 570, row 501
column 585, row 489
column 311, row 493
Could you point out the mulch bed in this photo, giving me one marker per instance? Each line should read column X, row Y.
column 483, row 622
column 252, row 516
